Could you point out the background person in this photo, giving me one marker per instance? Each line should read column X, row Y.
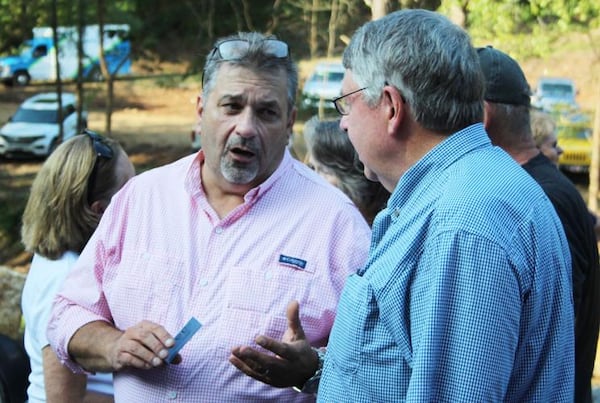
column 67, row 198
column 466, row 295
column 507, row 113
column 331, row 154
column 543, row 129
column 228, row 235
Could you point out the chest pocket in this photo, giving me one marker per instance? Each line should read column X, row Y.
column 146, row 288
column 354, row 317
column 255, row 301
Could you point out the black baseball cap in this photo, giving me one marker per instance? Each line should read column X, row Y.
column 505, row 82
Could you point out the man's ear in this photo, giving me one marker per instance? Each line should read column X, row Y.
column 291, row 121
column 488, row 113
column 199, row 106
column 396, row 107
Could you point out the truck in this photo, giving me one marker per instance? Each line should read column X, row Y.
column 555, row 94
column 36, row 59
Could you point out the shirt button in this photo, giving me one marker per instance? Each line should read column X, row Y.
column 203, row 282
column 396, row 213
column 171, row 395
column 268, row 275
column 219, row 230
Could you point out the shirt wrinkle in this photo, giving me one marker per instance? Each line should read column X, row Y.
column 466, row 294
column 176, row 261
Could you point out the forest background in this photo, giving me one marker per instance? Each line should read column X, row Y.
column 170, row 38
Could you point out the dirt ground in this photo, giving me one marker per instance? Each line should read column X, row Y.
column 152, row 123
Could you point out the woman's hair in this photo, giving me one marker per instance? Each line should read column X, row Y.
column 58, row 216
column 330, row 146
column 542, row 126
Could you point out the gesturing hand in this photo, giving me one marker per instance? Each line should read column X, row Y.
column 294, row 361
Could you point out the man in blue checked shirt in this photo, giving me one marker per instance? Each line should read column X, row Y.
column 466, row 295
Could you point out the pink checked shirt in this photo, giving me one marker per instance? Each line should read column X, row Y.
column 162, row 254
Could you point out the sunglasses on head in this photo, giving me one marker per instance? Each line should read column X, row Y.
column 102, row 150
column 235, row 49
column 98, row 143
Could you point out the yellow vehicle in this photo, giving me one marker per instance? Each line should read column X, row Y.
column 575, row 138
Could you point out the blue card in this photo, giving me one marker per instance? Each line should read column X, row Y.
column 183, row 337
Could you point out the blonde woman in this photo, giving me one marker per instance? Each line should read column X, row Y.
column 544, row 134
column 67, row 199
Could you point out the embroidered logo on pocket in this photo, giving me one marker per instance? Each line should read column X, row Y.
column 292, row 261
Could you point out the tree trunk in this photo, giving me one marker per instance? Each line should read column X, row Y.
column 58, row 81
column 378, row 8
column 595, row 166
column 105, row 73
column 333, row 17
column 80, row 96
column 314, row 29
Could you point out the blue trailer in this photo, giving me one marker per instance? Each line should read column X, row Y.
column 36, row 60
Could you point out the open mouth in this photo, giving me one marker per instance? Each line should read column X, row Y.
column 242, row 153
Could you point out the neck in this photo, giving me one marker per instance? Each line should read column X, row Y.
column 223, row 196
column 523, row 155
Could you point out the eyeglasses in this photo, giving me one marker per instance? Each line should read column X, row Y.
column 235, row 49
column 341, row 103
column 102, row 150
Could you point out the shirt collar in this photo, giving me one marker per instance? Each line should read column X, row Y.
column 429, row 168
column 193, row 179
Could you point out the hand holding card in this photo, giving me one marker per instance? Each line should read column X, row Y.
column 183, row 337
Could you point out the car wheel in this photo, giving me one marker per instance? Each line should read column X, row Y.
column 21, row 78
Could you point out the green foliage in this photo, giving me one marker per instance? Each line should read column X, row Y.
column 527, row 28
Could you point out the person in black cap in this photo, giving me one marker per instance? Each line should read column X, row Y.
column 507, row 121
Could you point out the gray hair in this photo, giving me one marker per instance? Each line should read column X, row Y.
column 429, row 59
column 257, row 59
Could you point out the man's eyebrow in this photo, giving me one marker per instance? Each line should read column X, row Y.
column 231, row 97
column 269, row 104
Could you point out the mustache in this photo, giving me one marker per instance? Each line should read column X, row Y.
column 249, row 144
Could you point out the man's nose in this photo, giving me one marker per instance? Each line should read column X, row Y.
column 246, row 123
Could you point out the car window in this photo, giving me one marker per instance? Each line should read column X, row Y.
column 327, row 76
column 35, row 116
column 557, row 90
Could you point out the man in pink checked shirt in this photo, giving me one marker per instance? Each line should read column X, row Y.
column 228, row 236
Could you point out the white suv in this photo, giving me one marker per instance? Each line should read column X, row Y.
column 34, row 129
column 324, row 84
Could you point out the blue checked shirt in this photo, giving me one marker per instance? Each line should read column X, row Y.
column 466, row 296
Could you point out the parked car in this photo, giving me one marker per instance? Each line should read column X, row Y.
column 555, row 94
column 574, row 136
column 34, row 128
column 324, row 84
